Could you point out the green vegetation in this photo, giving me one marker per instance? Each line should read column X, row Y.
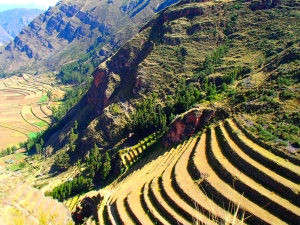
column 43, row 99
column 212, row 61
column 71, row 188
column 41, row 124
column 62, row 161
column 32, row 135
column 98, row 165
column 75, row 72
column 72, row 97
column 106, row 166
column 280, row 132
column 149, row 117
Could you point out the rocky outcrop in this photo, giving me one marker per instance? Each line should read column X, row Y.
column 263, row 4
column 187, row 124
column 86, row 208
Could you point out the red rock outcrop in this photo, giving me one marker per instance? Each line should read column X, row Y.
column 187, row 125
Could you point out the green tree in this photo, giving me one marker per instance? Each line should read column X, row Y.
column 106, row 166
column 49, row 94
column 38, row 148
column 72, row 139
column 62, row 161
column 78, row 165
column 94, row 161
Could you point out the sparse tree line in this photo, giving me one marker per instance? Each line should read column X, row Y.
column 72, row 97
column 10, row 150
column 98, row 169
column 71, row 188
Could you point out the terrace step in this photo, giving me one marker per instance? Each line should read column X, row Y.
column 36, row 111
column 270, row 179
column 265, row 157
column 112, row 214
column 159, row 199
column 189, row 189
column 174, row 198
column 122, row 212
column 248, row 187
column 259, row 142
column 227, row 196
column 136, row 210
column 162, row 206
column 148, row 205
column 137, row 174
column 45, row 110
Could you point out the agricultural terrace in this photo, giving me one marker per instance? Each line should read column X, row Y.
column 25, row 108
column 218, row 177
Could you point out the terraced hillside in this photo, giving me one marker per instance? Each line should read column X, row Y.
column 132, row 154
column 22, row 204
column 218, row 177
column 22, row 111
column 193, row 63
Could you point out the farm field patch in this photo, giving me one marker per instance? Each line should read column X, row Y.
column 24, row 107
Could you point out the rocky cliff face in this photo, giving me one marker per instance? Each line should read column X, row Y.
column 59, row 34
column 187, row 125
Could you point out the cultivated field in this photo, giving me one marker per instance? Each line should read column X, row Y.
column 219, row 177
column 24, row 107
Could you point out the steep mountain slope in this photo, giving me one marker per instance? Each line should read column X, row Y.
column 73, row 29
column 14, row 20
column 237, row 44
column 4, row 36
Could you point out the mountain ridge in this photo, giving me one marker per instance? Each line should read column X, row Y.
column 72, row 27
column 14, row 20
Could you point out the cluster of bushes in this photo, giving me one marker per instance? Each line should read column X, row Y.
column 61, row 161
column 280, row 132
column 8, row 151
column 32, row 144
column 185, row 97
column 75, row 72
column 149, row 117
column 212, row 61
column 99, row 165
column 71, row 188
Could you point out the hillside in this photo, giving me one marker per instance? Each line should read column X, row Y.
column 14, row 20
column 194, row 120
column 76, row 30
column 203, row 44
